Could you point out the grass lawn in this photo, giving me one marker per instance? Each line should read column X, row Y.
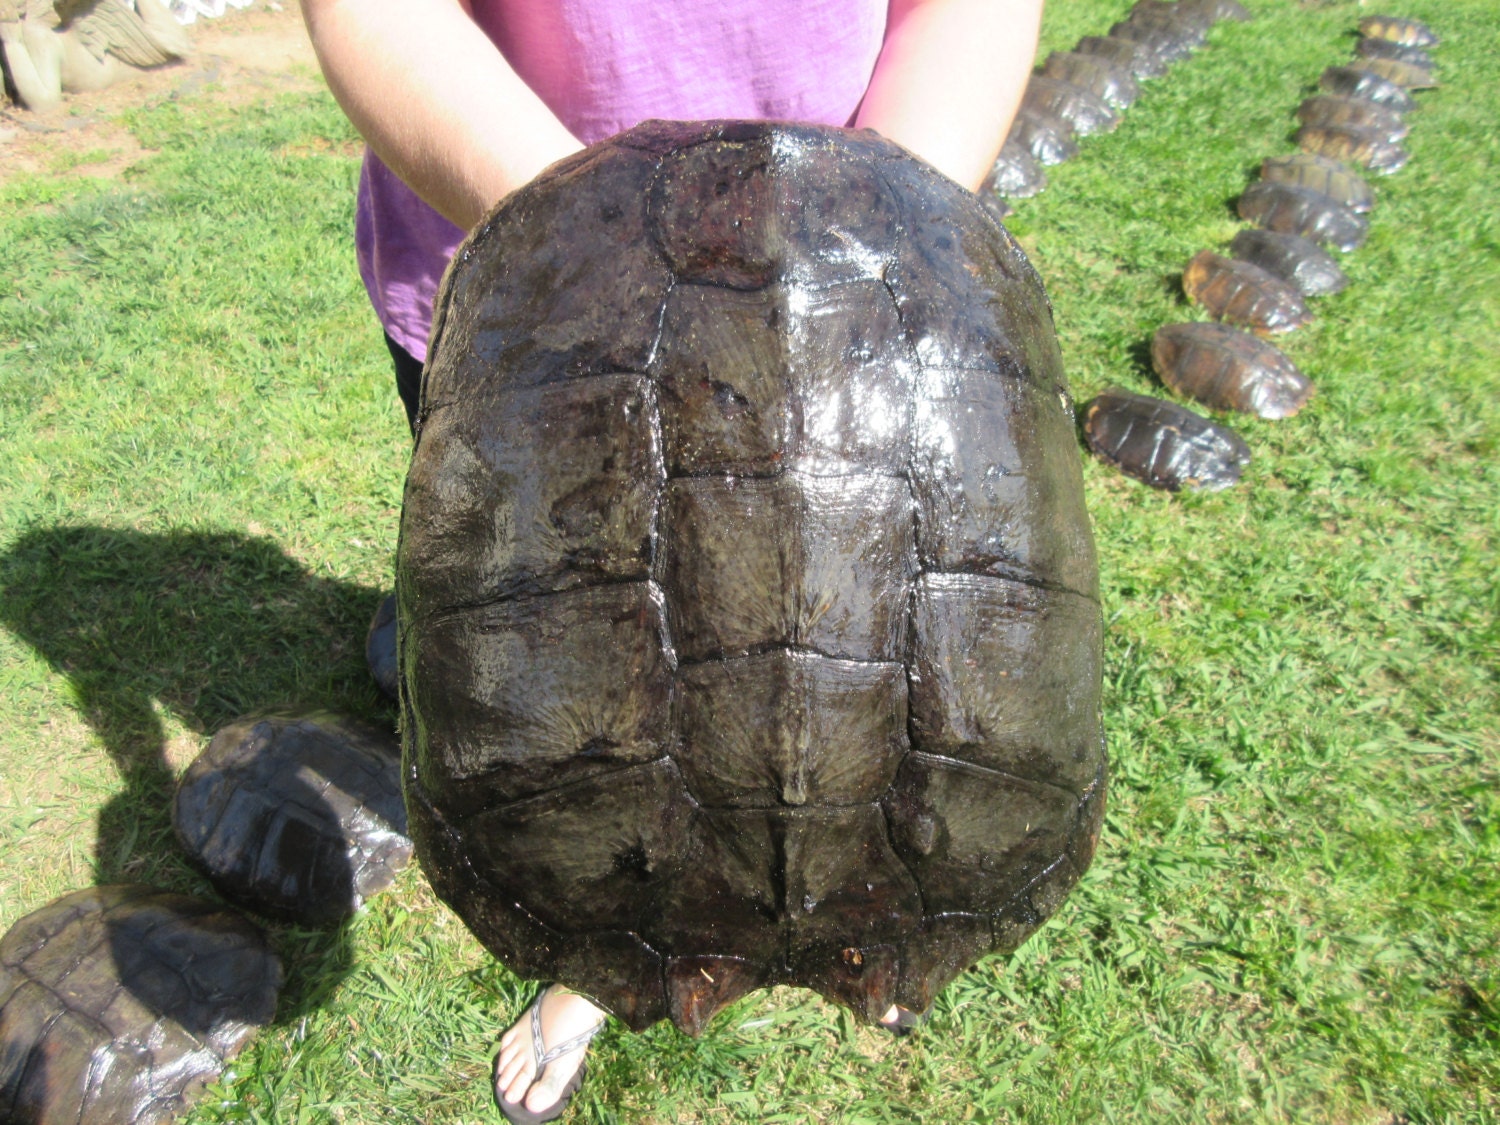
column 1295, row 911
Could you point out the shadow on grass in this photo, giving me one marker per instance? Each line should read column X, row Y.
column 1140, row 358
column 207, row 626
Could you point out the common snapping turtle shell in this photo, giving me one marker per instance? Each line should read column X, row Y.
column 749, row 629
column 119, row 1004
column 297, row 815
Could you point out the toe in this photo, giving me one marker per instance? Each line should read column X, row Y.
column 549, row 1087
column 513, row 1078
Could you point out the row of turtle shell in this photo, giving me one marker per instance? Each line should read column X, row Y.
column 118, row 1004
column 1083, row 91
column 1302, row 205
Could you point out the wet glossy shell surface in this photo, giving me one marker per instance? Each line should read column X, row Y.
column 1292, row 258
column 1299, row 210
column 1187, row 25
column 1411, row 33
column 1356, row 113
column 1016, row 174
column 1112, row 84
column 1375, row 48
column 748, row 605
column 1404, row 74
column 1165, row 43
column 1368, row 147
column 297, row 817
column 1242, row 293
column 1218, row 10
column 1049, row 139
column 119, row 1003
column 1357, row 82
column 1134, row 58
column 1321, row 174
column 1084, row 111
column 1227, row 369
column 1163, row 444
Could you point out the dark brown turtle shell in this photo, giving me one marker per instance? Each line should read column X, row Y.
column 1404, row 74
column 1411, row 33
column 1189, row 24
column 1136, row 59
column 748, row 611
column 1163, row 444
column 1357, row 82
column 1368, row 147
column 1110, row 83
column 1292, row 258
column 1048, row 138
column 1355, row 113
column 1323, row 175
column 1016, row 174
column 119, row 1004
column 1242, row 293
column 1299, row 210
column 296, row 817
column 1372, row 47
column 1218, row 10
column 1083, row 110
column 1227, row 369
column 1162, row 42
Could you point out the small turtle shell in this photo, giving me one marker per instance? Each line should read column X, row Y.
column 1227, row 369
column 1369, row 147
column 295, row 816
column 996, row 206
column 1049, row 139
column 1190, row 25
column 1163, row 444
column 1356, row 113
column 1321, row 174
column 1357, row 82
column 1410, row 33
column 1242, row 293
column 1218, row 10
column 1292, row 258
column 1373, row 48
column 1299, row 210
column 1135, row 58
column 1112, row 84
column 1016, row 174
column 118, row 1004
column 1162, row 42
column 1404, row 74
column 1084, row 111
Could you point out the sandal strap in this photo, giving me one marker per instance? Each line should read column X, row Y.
column 542, row 1058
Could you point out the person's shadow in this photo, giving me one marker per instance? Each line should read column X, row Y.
column 207, row 626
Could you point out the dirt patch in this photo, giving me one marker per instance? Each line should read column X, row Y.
column 245, row 56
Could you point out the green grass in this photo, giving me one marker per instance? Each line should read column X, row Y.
column 1295, row 912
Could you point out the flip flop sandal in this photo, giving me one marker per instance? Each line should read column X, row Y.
column 516, row 1112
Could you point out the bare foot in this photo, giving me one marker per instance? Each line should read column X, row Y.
column 564, row 1016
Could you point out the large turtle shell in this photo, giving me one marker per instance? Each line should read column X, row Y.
column 749, row 628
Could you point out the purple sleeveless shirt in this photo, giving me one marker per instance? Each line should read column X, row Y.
column 603, row 67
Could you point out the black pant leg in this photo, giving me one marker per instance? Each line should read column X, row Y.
column 408, row 379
